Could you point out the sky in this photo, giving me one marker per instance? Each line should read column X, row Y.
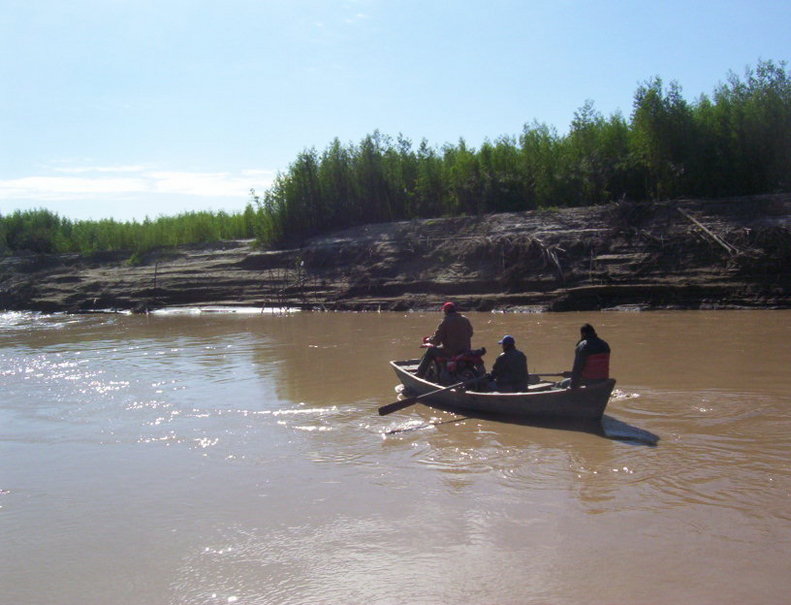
column 128, row 109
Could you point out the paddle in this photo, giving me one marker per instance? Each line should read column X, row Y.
column 404, row 403
column 561, row 374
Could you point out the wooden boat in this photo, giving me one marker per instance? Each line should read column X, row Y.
column 541, row 400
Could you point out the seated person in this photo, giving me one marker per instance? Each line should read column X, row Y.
column 509, row 372
column 591, row 360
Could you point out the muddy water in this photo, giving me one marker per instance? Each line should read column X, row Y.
column 239, row 459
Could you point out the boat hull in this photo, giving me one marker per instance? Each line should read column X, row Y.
column 586, row 402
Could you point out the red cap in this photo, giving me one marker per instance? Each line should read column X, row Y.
column 449, row 307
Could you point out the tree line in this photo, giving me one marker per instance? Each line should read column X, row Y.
column 42, row 231
column 736, row 141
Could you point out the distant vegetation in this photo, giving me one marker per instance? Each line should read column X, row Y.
column 735, row 142
column 44, row 232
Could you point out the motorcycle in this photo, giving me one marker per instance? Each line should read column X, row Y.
column 457, row 368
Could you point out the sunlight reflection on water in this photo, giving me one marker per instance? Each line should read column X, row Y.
column 244, row 456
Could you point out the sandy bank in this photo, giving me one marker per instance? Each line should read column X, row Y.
column 684, row 254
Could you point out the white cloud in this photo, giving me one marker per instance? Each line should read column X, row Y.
column 135, row 180
column 89, row 169
column 357, row 18
column 212, row 184
column 130, row 192
column 47, row 188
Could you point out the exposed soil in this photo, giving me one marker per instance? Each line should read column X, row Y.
column 684, row 254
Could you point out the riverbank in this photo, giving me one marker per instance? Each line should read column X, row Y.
column 681, row 254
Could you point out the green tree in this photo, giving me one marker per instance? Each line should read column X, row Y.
column 662, row 130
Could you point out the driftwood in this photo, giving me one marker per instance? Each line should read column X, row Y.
column 728, row 248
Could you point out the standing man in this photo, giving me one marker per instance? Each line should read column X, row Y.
column 510, row 368
column 591, row 359
column 453, row 336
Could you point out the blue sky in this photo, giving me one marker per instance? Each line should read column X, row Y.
column 132, row 108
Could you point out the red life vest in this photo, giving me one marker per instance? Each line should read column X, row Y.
column 597, row 367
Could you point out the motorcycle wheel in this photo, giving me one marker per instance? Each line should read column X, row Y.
column 433, row 373
column 468, row 374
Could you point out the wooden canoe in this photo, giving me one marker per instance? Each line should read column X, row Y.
column 541, row 400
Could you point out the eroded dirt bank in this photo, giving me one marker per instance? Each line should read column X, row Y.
column 685, row 254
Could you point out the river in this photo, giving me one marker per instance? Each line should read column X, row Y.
column 221, row 458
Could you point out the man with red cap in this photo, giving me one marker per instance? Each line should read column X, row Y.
column 453, row 336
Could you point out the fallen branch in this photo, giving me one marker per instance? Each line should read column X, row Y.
column 728, row 248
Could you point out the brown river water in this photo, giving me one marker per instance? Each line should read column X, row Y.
column 239, row 458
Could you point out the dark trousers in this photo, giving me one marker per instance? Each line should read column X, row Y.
column 429, row 356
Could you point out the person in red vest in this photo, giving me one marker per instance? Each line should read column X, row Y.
column 591, row 359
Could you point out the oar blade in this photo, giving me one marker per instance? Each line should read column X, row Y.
column 404, row 403
column 396, row 405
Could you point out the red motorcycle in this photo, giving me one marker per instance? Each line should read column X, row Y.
column 457, row 368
